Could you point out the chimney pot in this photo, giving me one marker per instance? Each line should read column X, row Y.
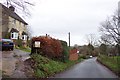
column 12, row 8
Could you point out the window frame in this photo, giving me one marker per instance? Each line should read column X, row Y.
column 14, row 35
column 24, row 37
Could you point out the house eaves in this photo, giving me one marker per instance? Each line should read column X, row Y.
column 12, row 14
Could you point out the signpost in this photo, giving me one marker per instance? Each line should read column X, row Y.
column 37, row 44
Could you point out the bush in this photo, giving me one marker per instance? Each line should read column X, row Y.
column 65, row 51
column 50, row 47
column 29, row 43
column 18, row 42
column 82, row 56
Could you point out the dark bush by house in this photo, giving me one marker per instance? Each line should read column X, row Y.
column 29, row 43
column 49, row 47
column 18, row 42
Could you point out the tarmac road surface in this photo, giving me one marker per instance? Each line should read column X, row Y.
column 89, row 68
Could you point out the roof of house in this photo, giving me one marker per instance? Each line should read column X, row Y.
column 12, row 14
column 14, row 30
column 24, row 33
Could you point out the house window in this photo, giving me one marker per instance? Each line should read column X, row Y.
column 24, row 37
column 14, row 35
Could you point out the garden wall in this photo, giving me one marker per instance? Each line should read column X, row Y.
column 73, row 55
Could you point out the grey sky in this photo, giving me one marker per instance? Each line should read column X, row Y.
column 80, row 17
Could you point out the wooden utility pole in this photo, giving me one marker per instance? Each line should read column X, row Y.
column 69, row 38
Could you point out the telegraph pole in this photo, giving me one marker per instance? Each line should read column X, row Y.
column 69, row 38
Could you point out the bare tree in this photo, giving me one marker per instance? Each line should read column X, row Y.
column 29, row 31
column 91, row 39
column 104, row 39
column 20, row 5
column 111, row 29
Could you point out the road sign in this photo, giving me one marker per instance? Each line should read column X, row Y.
column 37, row 44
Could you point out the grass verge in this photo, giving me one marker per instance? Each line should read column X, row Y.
column 24, row 49
column 112, row 62
column 44, row 67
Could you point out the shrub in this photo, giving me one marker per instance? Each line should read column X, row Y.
column 50, row 47
column 82, row 56
column 29, row 43
column 65, row 50
column 19, row 42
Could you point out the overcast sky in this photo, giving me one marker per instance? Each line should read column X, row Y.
column 79, row 17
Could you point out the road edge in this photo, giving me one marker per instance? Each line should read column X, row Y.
column 108, row 67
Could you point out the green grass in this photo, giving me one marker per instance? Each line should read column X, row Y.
column 112, row 62
column 44, row 67
column 24, row 49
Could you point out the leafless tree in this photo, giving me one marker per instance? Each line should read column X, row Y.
column 104, row 39
column 91, row 39
column 111, row 29
column 29, row 31
column 20, row 5
column 111, row 32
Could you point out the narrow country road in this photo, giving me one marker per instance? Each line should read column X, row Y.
column 89, row 68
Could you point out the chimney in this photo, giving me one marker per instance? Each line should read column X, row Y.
column 12, row 8
column 46, row 35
